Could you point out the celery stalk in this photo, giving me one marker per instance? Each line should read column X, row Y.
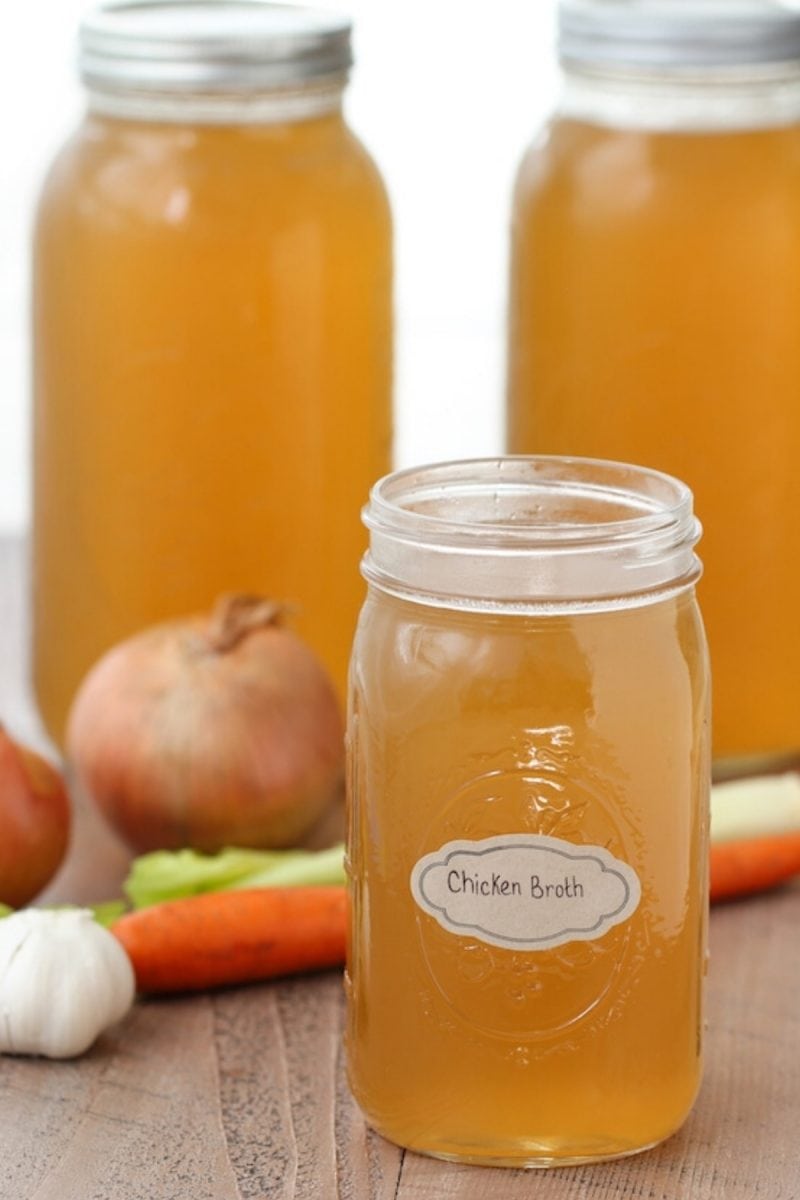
column 171, row 875
column 300, row 869
column 751, row 808
column 108, row 911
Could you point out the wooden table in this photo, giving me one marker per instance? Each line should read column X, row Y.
column 242, row 1095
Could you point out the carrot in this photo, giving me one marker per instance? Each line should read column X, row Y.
column 753, row 864
column 221, row 938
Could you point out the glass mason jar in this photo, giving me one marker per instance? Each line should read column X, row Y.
column 655, row 303
column 528, row 788
column 212, row 333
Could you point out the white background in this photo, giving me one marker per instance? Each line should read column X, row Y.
column 446, row 93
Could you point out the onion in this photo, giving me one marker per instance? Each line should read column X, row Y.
column 209, row 731
column 34, row 822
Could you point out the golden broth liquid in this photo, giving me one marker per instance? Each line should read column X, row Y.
column 212, row 343
column 654, row 318
column 591, row 728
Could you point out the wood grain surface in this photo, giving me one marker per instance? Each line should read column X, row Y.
column 242, row 1094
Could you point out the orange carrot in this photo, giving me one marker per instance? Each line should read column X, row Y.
column 221, row 938
column 753, row 864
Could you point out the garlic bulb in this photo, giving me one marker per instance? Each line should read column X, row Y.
column 63, row 980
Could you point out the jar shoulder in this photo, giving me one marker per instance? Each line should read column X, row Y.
column 161, row 172
column 435, row 652
column 578, row 159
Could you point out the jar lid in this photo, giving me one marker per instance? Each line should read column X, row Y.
column 211, row 45
column 678, row 34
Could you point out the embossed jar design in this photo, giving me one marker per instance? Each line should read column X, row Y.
column 528, row 790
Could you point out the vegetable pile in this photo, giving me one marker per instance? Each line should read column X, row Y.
column 199, row 922
column 234, row 917
column 203, row 733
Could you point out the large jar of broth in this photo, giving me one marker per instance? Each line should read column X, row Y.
column 655, row 307
column 212, row 333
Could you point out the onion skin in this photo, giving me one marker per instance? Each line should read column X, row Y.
column 208, row 733
column 34, row 822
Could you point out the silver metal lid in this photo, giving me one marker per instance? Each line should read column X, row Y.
column 211, row 45
column 678, row 34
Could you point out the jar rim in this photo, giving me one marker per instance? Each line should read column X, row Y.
column 660, row 500
column 521, row 529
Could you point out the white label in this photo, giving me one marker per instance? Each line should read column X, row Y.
column 525, row 891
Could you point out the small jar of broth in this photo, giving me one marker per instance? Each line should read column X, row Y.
column 529, row 771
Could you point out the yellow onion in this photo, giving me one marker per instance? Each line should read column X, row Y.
column 209, row 731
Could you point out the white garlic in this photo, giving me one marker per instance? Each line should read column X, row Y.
column 63, row 980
